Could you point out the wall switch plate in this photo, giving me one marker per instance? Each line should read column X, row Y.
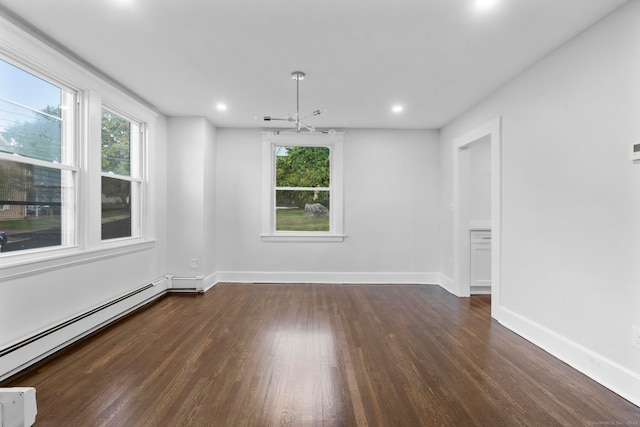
column 635, row 336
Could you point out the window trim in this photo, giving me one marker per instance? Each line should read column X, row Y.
column 137, row 168
column 91, row 91
column 69, row 160
column 335, row 144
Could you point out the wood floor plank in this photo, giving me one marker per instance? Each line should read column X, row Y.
column 315, row 355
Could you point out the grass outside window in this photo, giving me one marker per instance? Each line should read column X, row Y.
column 296, row 220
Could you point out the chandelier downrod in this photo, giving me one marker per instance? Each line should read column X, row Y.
column 298, row 121
column 297, row 76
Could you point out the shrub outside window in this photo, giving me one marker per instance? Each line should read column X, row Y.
column 303, row 188
column 37, row 163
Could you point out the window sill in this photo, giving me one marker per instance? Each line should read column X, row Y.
column 20, row 265
column 295, row 237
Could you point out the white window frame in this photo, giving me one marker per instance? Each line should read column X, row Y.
column 69, row 161
column 137, row 148
column 91, row 93
column 271, row 140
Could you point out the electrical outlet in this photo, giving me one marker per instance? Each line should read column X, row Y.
column 194, row 262
column 635, row 336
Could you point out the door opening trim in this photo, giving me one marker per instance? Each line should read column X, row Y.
column 461, row 248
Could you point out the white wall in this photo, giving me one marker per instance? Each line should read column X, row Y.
column 210, row 265
column 571, row 200
column 42, row 289
column 36, row 296
column 480, row 180
column 191, row 205
column 391, row 187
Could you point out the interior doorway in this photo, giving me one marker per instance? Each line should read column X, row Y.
column 463, row 208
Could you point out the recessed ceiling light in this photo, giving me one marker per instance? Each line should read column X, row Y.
column 221, row 107
column 397, row 109
column 483, row 5
column 124, row 2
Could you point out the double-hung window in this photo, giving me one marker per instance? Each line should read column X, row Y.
column 121, row 176
column 38, row 168
column 73, row 161
column 302, row 191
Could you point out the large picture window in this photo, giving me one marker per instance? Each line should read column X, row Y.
column 121, row 182
column 303, row 187
column 37, row 162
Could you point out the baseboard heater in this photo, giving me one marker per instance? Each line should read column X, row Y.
column 78, row 318
column 181, row 284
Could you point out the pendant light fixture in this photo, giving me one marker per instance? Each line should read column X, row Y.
column 299, row 122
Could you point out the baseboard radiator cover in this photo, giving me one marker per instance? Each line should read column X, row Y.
column 186, row 284
column 36, row 347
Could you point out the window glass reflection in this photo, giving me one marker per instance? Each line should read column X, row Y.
column 116, row 208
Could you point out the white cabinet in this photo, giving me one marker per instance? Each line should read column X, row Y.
column 480, row 267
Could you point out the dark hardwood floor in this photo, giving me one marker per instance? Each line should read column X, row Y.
column 316, row 355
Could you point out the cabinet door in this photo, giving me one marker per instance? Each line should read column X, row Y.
column 480, row 264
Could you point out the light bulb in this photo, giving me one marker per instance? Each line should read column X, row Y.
column 482, row 5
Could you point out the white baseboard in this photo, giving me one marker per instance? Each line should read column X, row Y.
column 481, row 290
column 446, row 283
column 610, row 374
column 327, row 277
column 209, row 282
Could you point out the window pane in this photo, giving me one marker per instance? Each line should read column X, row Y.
column 300, row 210
column 116, row 208
column 23, row 88
column 116, row 144
column 30, row 206
column 303, row 166
column 29, row 133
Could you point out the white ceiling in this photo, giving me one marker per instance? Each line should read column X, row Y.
column 435, row 57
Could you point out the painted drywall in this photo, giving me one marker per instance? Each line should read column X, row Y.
column 570, row 200
column 36, row 296
column 391, row 196
column 42, row 289
column 191, row 205
column 480, row 180
column 158, row 190
column 209, row 227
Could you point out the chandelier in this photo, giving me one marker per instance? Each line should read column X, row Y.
column 299, row 123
